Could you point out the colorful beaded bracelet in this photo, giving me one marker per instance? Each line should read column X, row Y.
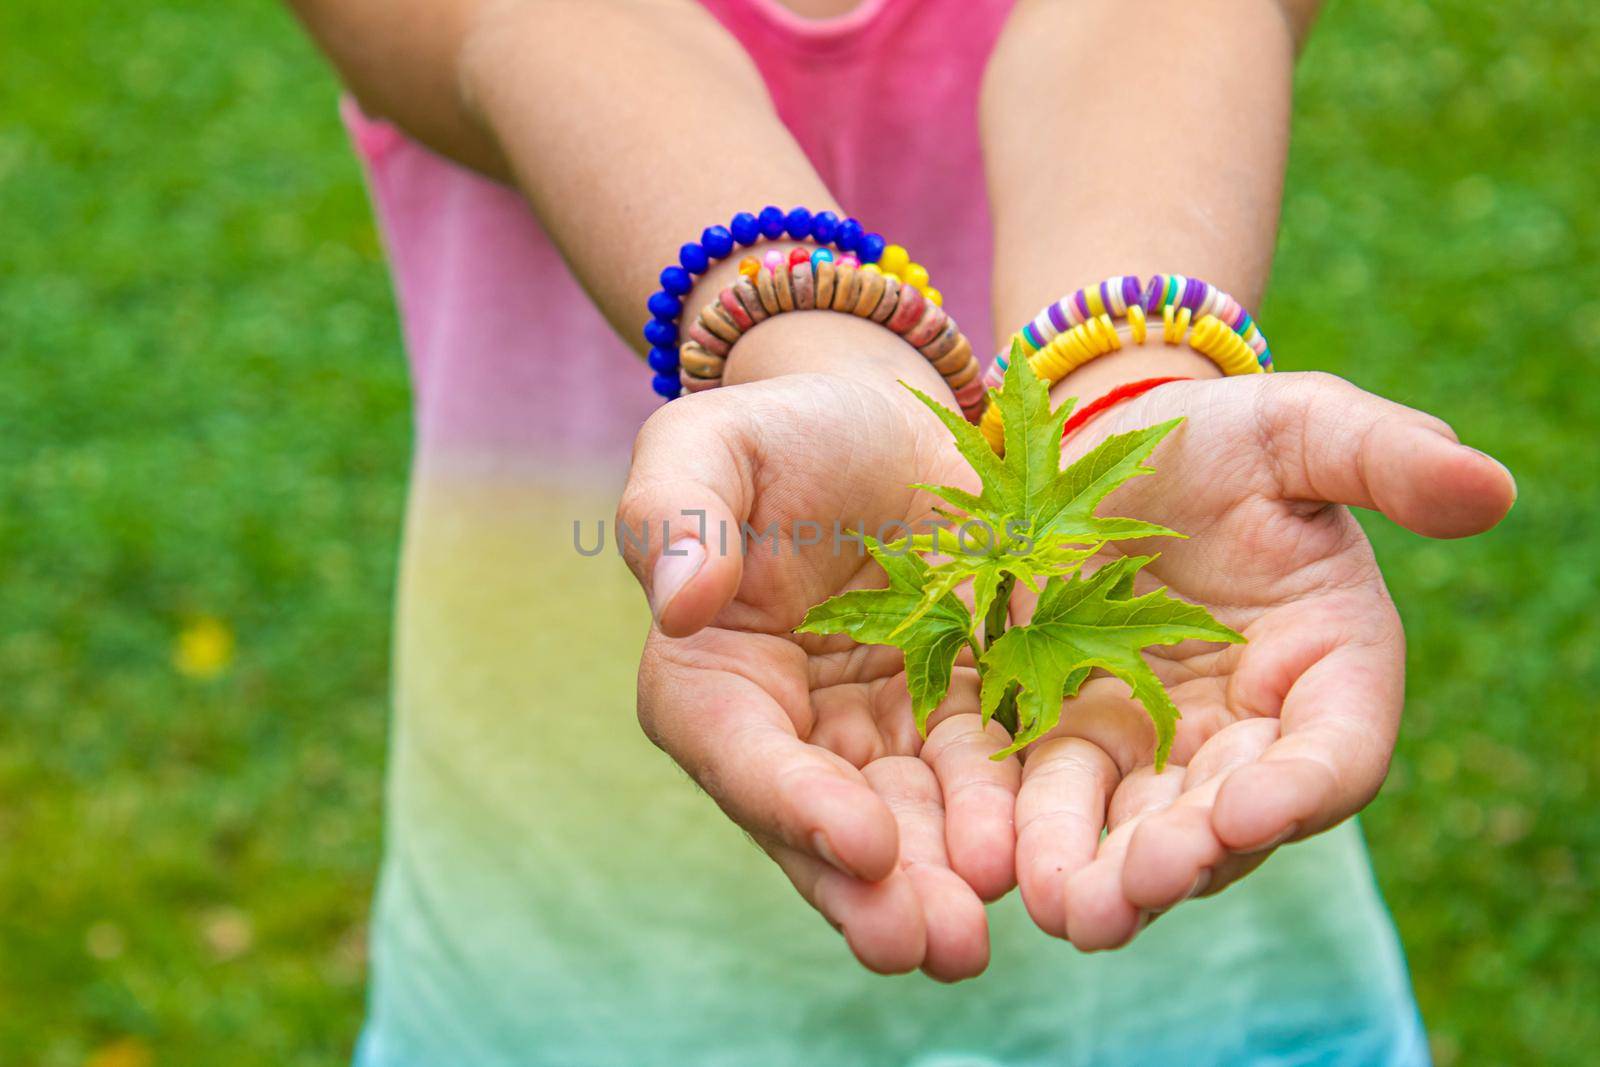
column 718, row 242
column 806, row 280
column 1088, row 323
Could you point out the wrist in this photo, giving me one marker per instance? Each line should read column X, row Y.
column 1125, row 329
column 1131, row 363
column 844, row 346
column 783, row 311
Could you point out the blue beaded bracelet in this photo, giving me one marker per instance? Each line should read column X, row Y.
column 718, row 243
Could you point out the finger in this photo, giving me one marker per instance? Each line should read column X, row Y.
column 881, row 921
column 1175, row 854
column 734, row 737
column 1099, row 914
column 845, row 723
column 1140, row 792
column 980, row 799
column 1336, row 443
column 678, row 522
column 864, row 721
column 957, row 929
column 1061, row 809
column 1338, row 722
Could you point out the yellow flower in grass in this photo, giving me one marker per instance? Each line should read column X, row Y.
column 124, row 1052
column 204, row 648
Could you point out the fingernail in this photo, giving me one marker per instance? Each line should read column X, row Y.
column 1201, row 881
column 678, row 562
column 1288, row 832
column 819, row 841
column 1502, row 466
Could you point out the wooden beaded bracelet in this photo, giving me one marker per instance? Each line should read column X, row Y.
column 716, row 243
column 1090, row 323
column 814, row 280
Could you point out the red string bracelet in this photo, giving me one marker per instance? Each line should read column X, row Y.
column 1115, row 397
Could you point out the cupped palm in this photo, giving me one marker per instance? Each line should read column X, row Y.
column 1281, row 737
column 809, row 743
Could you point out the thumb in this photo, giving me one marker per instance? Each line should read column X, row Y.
column 678, row 522
column 1339, row 444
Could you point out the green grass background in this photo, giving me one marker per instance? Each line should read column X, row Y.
column 203, row 414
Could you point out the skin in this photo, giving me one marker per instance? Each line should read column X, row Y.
column 807, row 744
column 1283, row 737
column 1081, row 187
column 1291, row 733
column 474, row 80
column 1280, row 739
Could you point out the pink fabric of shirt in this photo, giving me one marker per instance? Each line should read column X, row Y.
column 508, row 355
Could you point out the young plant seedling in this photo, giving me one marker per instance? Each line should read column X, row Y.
column 1035, row 524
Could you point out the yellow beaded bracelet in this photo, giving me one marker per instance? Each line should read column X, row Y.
column 1099, row 335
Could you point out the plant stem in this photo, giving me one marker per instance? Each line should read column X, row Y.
column 994, row 624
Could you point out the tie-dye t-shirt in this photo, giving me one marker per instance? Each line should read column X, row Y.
column 554, row 890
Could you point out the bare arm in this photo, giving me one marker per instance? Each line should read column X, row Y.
column 629, row 125
column 402, row 60
column 1118, row 144
column 1148, row 139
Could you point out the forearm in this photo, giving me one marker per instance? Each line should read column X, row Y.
column 1123, row 146
column 629, row 125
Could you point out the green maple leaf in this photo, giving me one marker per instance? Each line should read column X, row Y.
column 984, row 555
column 1034, row 511
column 931, row 641
column 1025, row 490
column 1032, row 523
column 1086, row 623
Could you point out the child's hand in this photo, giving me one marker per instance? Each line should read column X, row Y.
column 1283, row 737
column 809, row 744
